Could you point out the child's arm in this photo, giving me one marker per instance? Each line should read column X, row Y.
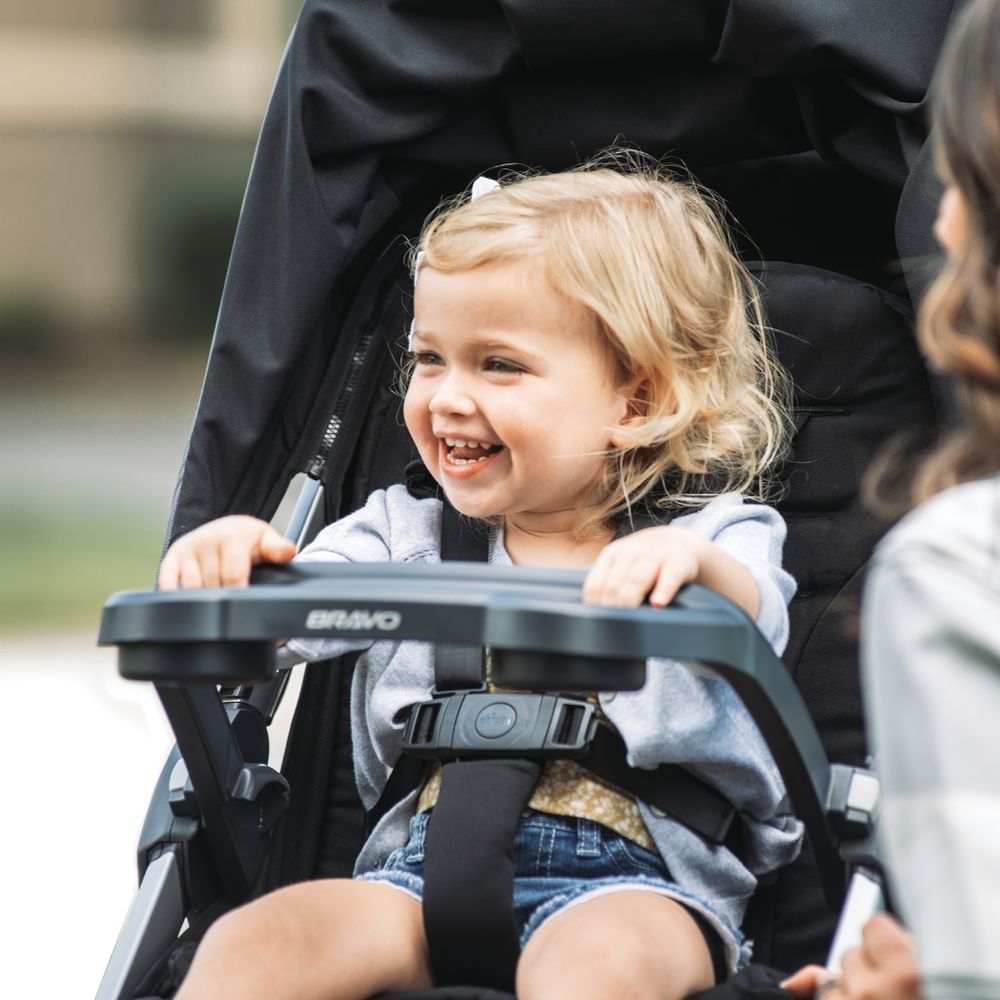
column 222, row 553
column 659, row 561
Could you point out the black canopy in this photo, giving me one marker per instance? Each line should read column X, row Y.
column 808, row 116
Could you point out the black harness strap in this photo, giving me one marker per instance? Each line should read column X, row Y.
column 669, row 788
column 471, row 936
column 460, row 668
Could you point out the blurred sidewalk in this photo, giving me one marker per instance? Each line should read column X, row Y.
column 82, row 749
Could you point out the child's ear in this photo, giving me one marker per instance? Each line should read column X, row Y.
column 635, row 395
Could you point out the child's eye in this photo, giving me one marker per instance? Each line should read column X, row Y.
column 425, row 358
column 499, row 365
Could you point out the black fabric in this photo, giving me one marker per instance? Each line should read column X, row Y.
column 406, row 776
column 714, row 944
column 169, row 981
column 458, row 668
column 379, row 108
column 469, row 871
column 860, row 382
column 322, row 830
column 357, row 81
column 461, row 539
column 420, row 484
column 756, row 982
column 451, row 993
column 670, row 788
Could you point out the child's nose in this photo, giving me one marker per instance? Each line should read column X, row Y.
column 453, row 395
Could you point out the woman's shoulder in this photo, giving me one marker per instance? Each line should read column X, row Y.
column 958, row 525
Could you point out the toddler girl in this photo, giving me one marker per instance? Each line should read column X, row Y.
column 585, row 345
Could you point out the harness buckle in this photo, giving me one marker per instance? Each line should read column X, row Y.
column 476, row 724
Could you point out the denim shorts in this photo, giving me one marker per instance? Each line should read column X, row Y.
column 560, row 861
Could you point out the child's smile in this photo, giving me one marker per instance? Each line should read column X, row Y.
column 459, row 452
column 512, row 403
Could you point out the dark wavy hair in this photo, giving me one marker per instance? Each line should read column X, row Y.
column 959, row 322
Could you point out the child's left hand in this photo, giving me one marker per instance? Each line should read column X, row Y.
column 658, row 562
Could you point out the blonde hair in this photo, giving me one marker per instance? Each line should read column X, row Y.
column 644, row 254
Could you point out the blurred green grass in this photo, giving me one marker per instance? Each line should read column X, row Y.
column 58, row 570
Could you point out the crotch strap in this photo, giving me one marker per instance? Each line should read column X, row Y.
column 469, row 871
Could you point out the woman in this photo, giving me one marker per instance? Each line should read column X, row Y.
column 931, row 625
column 931, row 619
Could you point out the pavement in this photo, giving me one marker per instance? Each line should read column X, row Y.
column 83, row 748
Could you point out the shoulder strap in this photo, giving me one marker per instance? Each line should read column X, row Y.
column 456, row 668
column 462, row 541
column 460, row 668
column 669, row 789
column 420, row 483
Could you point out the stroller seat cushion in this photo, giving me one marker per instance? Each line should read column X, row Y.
column 562, row 861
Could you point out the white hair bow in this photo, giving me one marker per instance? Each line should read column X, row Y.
column 480, row 186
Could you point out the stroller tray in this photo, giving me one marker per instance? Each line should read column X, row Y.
column 201, row 635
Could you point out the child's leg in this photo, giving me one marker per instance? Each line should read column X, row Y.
column 334, row 939
column 622, row 945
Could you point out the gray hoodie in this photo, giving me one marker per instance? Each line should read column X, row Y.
column 676, row 717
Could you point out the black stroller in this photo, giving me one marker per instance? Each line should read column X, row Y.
column 810, row 123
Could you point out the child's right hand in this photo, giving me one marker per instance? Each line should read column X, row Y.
column 222, row 553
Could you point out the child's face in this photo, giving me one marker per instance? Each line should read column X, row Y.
column 516, row 371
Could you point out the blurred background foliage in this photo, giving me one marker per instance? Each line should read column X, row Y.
column 183, row 233
column 127, row 130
